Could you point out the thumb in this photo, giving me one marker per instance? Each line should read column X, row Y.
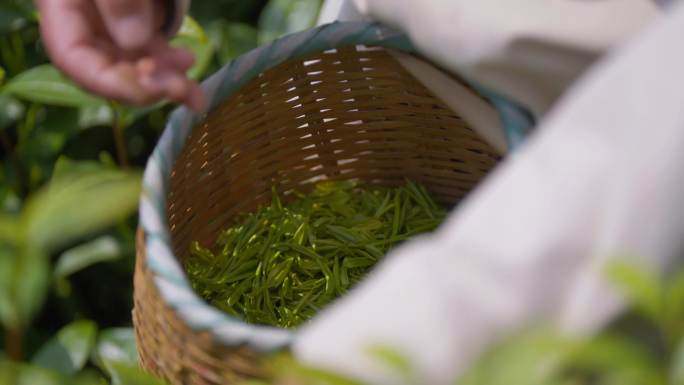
column 130, row 23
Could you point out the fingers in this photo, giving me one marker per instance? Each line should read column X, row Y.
column 101, row 66
column 163, row 71
column 67, row 32
column 117, row 80
column 171, row 83
column 196, row 100
column 130, row 23
column 166, row 56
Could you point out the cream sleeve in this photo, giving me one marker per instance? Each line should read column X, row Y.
column 600, row 179
column 528, row 50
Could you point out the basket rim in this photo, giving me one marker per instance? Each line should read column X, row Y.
column 168, row 274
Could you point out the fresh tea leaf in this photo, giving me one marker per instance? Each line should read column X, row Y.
column 67, row 168
column 530, row 358
column 102, row 249
column 127, row 374
column 25, row 278
column 392, row 358
column 9, row 314
column 192, row 36
column 73, row 206
column 69, row 350
column 12, row 17
column 9, row 229
column 677, row 365
column 282, row 17
column 231, row 40
column 613, row 355
column 11, row 110
column 90, row 377
column 13, row 373
column 286, row 370
column 674, row 305
column 95, row 115
column 642, row 289
column 115, row 345
column 283, row 263
column 45, row 84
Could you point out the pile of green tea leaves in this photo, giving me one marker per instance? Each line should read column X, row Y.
column 283, row 263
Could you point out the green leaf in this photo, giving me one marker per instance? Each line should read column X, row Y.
column 674, row 305
column 641, row 288
column 71, row 207
column 281, row 17
column 103, row 115
column 24, row 282
column 231, row 40
column 102, row 249
column 69, row 350
column 12, row 17
column 115, row 345
column 393, row 359
column 66, row 168
column 126, row 374
column 47, row 137
column 9, row 314
column 286, row 370
column 30, row 283
column 9, row 229
column 13, row 373
column 677, row 366
column 90, row 377
column 309, row 375
column 616, row 356
column 191, row 36
column 116, row 355
column 531, row 358
column 11, row 110
column 95, row 115
column 45, row 84
column 253, row 382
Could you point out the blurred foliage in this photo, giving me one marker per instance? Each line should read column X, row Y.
column 70, row 167
column 67, row 231
column 643, row 347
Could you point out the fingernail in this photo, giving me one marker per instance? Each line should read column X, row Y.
column 132, row 32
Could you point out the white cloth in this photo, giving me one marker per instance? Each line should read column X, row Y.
column 601, row 178
column 529, row 50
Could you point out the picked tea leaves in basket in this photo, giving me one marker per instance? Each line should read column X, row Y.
column 332, row 103
column 283, row 263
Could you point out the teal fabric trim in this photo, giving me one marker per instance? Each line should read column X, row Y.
column 516, row 120
column 169, row 276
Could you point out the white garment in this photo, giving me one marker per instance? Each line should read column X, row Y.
column 529, row 50
column 601, row 178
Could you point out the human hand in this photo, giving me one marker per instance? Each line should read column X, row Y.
column 117, row 49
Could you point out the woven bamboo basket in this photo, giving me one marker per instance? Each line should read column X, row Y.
column 315, row 105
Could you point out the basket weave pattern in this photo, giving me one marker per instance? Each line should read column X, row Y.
column 350, row 113
column 339, row 115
